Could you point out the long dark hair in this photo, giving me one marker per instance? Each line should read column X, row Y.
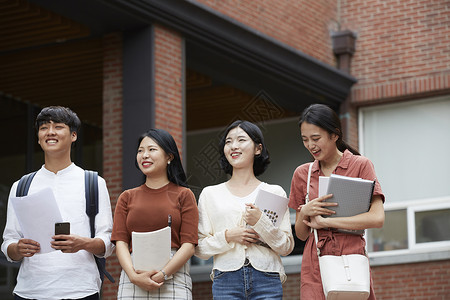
column 175, row 171
column 324, row 117
column 260, row 162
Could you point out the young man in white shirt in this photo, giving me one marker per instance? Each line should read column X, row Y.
column 70, row 272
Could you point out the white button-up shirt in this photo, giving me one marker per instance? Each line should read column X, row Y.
column 57, row 275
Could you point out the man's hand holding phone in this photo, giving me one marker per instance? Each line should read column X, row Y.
column 62, row 228
column 62, row 234
column 69, row 243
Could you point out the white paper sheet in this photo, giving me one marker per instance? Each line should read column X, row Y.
column 37, row 214
column 151, row 250
column 323, row 185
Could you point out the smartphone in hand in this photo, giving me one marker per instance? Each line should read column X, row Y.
column 62, row 228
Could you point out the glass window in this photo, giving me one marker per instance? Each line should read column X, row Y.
column 393, row 236
column 407, row 143
column 432, row 226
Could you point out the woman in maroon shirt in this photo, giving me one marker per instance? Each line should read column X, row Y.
column 322, row 136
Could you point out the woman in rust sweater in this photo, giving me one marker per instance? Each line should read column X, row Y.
column 146, row 208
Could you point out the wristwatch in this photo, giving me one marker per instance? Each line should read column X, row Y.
column 165, row 275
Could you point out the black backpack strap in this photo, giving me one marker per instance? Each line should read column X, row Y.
column 24, row 184
column 91, row 193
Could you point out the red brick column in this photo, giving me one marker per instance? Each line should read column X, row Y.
column 168, row 55
column 112, row 138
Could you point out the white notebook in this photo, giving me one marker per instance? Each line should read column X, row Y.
column 151, row 250
column 273, row 205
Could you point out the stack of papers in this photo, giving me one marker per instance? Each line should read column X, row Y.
column 151, row 250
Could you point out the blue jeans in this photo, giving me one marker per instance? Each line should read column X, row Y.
column 246, row 283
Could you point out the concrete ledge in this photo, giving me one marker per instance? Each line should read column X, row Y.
column 408, row 257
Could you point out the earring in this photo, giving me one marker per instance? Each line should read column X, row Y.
column 168, row 162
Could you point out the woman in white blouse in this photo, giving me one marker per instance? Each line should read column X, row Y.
column 231, row 226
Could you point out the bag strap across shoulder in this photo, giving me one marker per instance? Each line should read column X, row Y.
column 91, row 194
column 307, row 200
column 308, row 182
column 24, row 184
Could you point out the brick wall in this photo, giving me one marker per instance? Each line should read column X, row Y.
column 418, row 281
column 168, row 54
column 202, row 291
column 303, row 25
column 402, row 49
column 112, row 138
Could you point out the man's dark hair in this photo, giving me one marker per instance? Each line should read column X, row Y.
column 58, row 114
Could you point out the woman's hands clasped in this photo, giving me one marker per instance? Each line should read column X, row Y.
column 143, row 279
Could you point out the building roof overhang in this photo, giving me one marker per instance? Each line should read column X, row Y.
column 218, row 43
